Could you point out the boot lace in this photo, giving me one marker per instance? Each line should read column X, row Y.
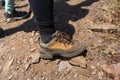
column 63, row 38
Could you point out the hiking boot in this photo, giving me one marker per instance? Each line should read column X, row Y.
column 61, row 45
column 14, row 16
column 1, row 32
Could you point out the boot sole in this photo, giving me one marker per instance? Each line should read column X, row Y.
column 50, row 55
column 10, row 20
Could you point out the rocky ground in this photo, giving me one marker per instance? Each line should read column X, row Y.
column 93, row 21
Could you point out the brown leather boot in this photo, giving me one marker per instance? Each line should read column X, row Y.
column 61, row 45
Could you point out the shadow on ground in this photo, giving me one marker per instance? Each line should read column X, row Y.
column 64, row 12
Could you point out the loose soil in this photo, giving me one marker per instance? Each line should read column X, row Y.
column 92, row 21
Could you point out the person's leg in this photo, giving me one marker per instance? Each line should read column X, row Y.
column 51, row 44
column 9, row 9
column 9, row 6
column 43, row 13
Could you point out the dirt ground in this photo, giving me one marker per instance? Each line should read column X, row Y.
column 92, row 20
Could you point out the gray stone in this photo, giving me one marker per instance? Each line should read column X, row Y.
column 35, row 58
column 27, row 65
column 75, row 75
column 33, row 49
column 78, row 61
column 64, row 65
